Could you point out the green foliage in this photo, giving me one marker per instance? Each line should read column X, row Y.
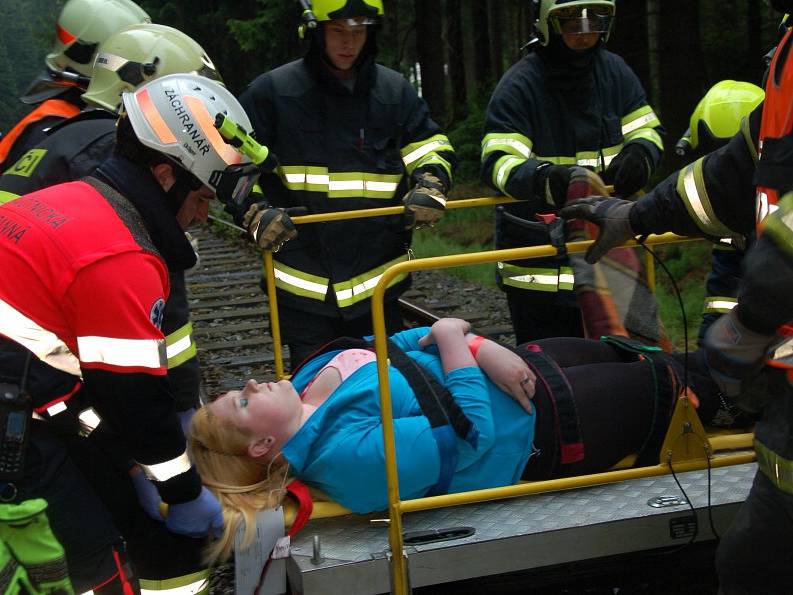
column 466, row 138
column 26, row 35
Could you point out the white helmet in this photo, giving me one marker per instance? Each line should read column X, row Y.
column 175, row 115
column 83, row 25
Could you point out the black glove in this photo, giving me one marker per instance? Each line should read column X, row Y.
column 611, row 215
column 425, row 202
column 551, row 183
column 736, row 358
column 269, row 226
column 630, row 170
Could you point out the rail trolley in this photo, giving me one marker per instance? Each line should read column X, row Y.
column 528, row 527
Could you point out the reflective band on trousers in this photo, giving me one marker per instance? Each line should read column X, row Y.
column 179, row 346
column 127, row 353
column 6, row 196
column 537, row 279
column 719, row 305
column 191, row 584
column 43, row 343
column 775, row 467
column 168, row 469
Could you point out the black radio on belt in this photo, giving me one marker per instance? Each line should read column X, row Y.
column 15, row 414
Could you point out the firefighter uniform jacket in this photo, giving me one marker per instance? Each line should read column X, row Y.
column 342, row 149
column 31, row 129
column 70, row 151
column 84, row 289
column 529, row 121
column 725, row 194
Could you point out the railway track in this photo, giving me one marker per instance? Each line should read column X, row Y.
column 229, row 309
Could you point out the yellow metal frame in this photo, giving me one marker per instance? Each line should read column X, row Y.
column 686, row 447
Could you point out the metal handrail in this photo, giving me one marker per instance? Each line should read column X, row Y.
column 397, row 507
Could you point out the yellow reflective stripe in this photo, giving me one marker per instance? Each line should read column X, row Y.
column 340, row 184
column 434, row 158
column 190, row 584
column 510, row 143
column 718, row 304
column 775, row 467
column 644, row 117
column 362, row 286
column 503, row 168
column 143, row 353
column 44, row 344
column 691, row 188
column 648, row 134
column 747, row 137
column 300, row 283
column 537, row 279
column 167, row 469
column 780, row 223
column 415, row 151
column 179, row 346
column 7, row 197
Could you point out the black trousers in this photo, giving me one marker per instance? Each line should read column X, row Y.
column 538, row 315
column 93, row 510
column 755, row 555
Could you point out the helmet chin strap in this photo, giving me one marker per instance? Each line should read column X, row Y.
column 185, row 184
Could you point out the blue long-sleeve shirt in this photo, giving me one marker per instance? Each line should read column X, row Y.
column 340, row 447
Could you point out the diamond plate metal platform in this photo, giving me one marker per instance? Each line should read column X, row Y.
column 519, row 533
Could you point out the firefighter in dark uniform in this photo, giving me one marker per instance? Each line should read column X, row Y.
column 82, row 296
column 729, row 193
column 568, row 103
column 82, row 25
column 715, row 120
column 75, row 147
column 348, row 134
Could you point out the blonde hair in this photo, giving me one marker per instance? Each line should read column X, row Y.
column 243, row 485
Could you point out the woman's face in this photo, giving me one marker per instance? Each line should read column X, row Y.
column 261, row 410
column 343, row 43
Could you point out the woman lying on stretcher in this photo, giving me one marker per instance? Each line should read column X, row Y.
column 560, row 407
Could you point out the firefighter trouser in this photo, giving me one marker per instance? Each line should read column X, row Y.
column 755, row 555
column 92, row 504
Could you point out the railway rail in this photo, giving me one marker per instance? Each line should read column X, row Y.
column 229, row 309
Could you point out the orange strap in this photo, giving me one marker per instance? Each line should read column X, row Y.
column 51, row 107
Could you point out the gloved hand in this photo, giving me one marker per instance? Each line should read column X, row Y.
column 269, row 226
column 736, row 357
column 611, row 215
column 148, row 497
column 196, row 518
column 630, row 170
column 551, row 183
column 425, row 202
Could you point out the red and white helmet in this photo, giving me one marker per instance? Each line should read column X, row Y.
column 175, row 115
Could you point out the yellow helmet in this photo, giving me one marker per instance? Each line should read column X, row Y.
column 590, row 16
column 329, row 10
column 83, row 25
column 138, row 54
column 718, row 114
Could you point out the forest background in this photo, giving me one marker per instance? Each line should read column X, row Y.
column 455, row 51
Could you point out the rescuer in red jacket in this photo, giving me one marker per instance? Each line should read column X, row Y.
column 85, row 278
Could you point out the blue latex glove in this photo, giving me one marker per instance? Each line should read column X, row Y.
column 148, row 497
column 196, row 518
column 184, row 418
